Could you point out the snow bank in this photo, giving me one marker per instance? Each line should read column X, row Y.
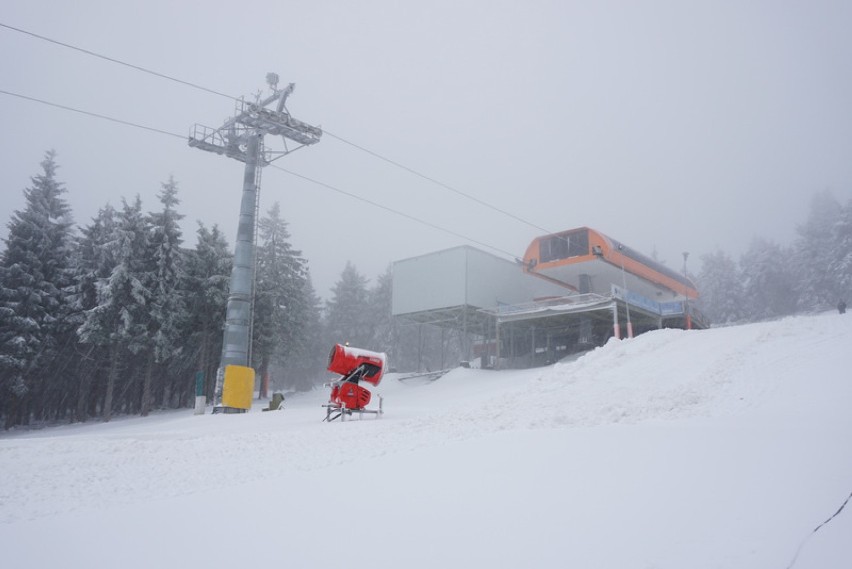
column 716, row 448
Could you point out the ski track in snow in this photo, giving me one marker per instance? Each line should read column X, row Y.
column 704, row 374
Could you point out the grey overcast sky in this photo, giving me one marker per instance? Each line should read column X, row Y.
column 670, row 125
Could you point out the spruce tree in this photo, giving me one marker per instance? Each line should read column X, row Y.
column 166, row 304
column 815, row 252
column 279, row 302
column 840, row 268
column 306, row 364
column 384, row 328
column 769, row 283
column 34, row 306
column 94, row 264
column 119, row 322
column 208, row 273
column 348, row 314
column 721, row 289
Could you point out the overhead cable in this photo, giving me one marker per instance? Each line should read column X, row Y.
column 91, row 114
column 436, row 182
column 337, row 137
column 295, row 174
column 118, row 61
column 394, row 211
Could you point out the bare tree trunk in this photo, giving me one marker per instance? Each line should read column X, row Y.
column 166, row 383
column 86, row 371
column 12, row 412
column 210, row 365
column 264, row 371
column 203, row 364
column 81, row 414
column 26, row 410
column 146, row 385
column 189, row 387
column 111, row 377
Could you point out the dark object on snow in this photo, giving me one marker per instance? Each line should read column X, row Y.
column 277, row 403
column 227, row 410
column 841, row 307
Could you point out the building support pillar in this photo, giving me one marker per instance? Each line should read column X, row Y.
column 616, row 329
column 497, row 343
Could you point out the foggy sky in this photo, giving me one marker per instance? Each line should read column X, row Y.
column 670, row 126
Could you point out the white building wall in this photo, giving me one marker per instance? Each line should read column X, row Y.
column 436, row 280
column 463, row 276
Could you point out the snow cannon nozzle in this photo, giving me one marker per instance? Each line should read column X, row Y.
column 346, row 360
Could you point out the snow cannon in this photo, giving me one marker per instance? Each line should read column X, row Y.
column 347, row 396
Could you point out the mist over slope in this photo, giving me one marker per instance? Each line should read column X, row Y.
column 715, row 448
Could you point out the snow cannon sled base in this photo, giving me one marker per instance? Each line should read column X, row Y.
column 347, row 396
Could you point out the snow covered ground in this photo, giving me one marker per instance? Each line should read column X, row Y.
column 722, row 448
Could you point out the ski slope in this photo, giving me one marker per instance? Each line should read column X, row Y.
column 721, row 448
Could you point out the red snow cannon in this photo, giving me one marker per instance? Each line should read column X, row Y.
column 347, row 396
column 345, row 360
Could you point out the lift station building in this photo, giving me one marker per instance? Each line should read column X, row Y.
column 572, row 291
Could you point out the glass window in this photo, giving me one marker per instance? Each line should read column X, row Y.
column 564, row 246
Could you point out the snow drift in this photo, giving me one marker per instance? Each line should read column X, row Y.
column 716, row 448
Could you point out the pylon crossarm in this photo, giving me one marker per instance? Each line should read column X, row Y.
column 273, row 155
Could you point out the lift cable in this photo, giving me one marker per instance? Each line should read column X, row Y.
column 394, row 211
column 91, row 114
column 331, row 134
column 118, row 61
column 436, row 182
column 295, row 174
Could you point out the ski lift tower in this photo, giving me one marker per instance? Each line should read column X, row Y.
column 241, row 138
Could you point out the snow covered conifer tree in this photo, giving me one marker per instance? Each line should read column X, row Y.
column 769, row 282
column 279, row 305
column 348, row 318
column 119, row 322
column 721, row 289
column 166, row 274
column 34, row 308
column 94, row 259
column 815, row 252
column 208, row 273
column 840, row 268
column 94, row 264
column 385, row 330
column 306, row 361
